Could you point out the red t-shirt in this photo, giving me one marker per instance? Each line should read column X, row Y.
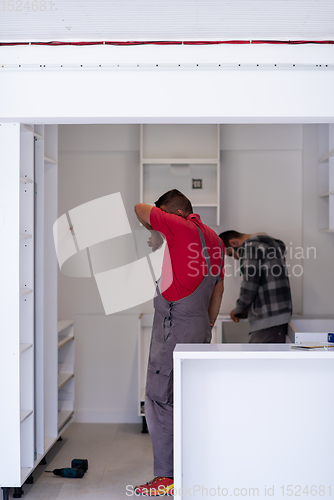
column 188, row 266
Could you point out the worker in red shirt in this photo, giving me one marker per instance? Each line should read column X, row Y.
column 184, row 313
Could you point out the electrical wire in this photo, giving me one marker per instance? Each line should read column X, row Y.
column 172, row 42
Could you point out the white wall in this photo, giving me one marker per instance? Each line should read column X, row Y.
column 268, row 183
column 261, row 191
column 96, row 161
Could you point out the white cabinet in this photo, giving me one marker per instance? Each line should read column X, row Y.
column 183, row 157
column 326, row 178
column 29, row 342
column 251, row 419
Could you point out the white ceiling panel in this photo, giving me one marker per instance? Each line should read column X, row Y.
column 76, row 20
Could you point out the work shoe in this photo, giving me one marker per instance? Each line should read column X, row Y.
column 158, row 486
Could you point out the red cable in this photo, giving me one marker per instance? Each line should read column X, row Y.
column 132, row 43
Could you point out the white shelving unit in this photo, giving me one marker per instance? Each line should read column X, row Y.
column 145, row 322
column 173, row 156
column 326, row 178
column 29, row 349
column 65, row 373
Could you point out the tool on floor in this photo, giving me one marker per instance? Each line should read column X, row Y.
column 80, row 463
column 67, row 472
column 78, row 468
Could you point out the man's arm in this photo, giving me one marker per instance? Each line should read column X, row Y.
column 143, row 212
column 251, row 271
column 215, row 301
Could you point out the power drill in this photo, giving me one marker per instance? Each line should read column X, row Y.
column 78, row 468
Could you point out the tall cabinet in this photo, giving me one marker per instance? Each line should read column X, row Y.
column 29, row 388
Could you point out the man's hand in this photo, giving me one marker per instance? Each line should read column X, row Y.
column 234, row 317
column 155, row 241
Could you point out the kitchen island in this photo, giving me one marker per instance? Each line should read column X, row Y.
column 253, row 420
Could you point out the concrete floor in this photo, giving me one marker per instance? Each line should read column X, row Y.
column 119, row 455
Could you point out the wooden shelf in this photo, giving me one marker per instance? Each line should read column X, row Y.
column 63, row 417
column 63, row 341
column 49, row 160
column 24, row 414
column 25, row 347
column 63, row 324
column 63, row 378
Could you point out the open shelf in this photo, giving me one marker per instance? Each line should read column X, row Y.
column 63, row 417
column 63, row 378
column 63, row 341
column 179, row 161
column 172, row 157
column 49, row 160
column 199, row 205
column 24, row 414
column 26, row 180
column 30, row 128
column 324, row 195
column 63, row 324
column 25, row 347
column 326, row 156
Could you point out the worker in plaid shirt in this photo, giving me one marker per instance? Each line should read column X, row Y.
column 265, row 294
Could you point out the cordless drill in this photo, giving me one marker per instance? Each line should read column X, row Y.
column 78, row 468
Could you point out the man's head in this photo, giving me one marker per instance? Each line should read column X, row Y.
column 233, row 241
column 175, row 202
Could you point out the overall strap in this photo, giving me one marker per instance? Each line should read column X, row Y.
column 205, row 250
column 222, row 254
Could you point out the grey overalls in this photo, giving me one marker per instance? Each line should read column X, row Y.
column 180, row 322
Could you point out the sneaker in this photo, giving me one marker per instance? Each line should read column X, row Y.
column 158, row 486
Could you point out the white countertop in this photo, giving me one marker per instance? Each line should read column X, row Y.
column 250, row 351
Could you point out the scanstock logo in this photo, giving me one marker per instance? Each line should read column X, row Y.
column 95, row 240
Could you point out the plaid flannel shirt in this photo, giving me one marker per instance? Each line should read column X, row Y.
column 265, row 289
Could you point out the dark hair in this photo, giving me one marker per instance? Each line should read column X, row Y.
column 175, row 200
column 227, row 236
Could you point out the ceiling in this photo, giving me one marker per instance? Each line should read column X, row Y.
column 149, row 20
